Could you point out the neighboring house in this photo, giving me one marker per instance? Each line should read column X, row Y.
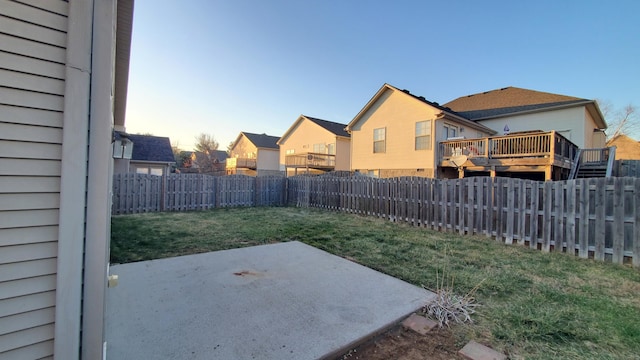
column 151, row 155
column 212, row 163
column 254, row 154
column 626, row 147
column 396, row 134
column 62, row 90
column 578, row 120
column 315, row 146
column 507, row 132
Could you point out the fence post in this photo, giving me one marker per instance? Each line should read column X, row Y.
column 163, row 192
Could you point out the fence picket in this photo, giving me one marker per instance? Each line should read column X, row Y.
column 593, row 216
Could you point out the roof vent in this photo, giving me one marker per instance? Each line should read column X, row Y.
column 406, row 91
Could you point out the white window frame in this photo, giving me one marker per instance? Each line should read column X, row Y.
column 380, row 136
column 425, row 134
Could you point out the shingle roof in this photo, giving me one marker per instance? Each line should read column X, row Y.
column 263, row 140
column 506, row 101
column 151, row 148
column 626, row 147
column 333, row 127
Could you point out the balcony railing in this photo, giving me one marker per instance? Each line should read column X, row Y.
column 550, row 145
column 311, row 160
column 234, row 163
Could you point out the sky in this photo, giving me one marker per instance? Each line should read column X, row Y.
column 225, row 66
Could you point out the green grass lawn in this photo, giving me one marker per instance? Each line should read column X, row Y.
column 533, row 305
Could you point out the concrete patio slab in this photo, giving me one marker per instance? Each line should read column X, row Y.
column 280, row 301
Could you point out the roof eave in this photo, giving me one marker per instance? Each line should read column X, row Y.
column 467, row 122
column 290, row 129
column 123, row 55
column 533, row 111
column 373, row 99
column 152, row 161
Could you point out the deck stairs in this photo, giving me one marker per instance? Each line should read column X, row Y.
column 591, row 163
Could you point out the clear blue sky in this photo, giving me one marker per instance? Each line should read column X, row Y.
column 225, row 66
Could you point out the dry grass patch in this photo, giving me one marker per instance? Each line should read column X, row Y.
column 534, row 305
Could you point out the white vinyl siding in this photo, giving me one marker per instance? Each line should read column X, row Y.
column 33, row 42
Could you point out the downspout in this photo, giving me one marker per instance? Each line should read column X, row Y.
column 71, row 229
column 98, row 227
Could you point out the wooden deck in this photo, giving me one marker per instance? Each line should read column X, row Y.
column 316, row 161
column 235, row 163
column 547, row 152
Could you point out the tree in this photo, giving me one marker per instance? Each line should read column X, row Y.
column 229, row 148
column 205, row 143
column 621, row 121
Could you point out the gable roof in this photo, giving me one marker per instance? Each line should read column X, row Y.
column 512, row 100
column 626, row 147
column 332, row 127
column 260, row 140
column 445, row 112
column 151, row 148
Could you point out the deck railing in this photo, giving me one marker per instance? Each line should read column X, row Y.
column 312, row 160
column 234, row 163
column 547, row 144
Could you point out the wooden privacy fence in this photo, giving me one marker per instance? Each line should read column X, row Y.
column 136, row 193
column 597, row 218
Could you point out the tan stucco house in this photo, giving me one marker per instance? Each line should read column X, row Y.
column 396, row 134
column 314, row 146
column 62, row 92
column 500, row 132
column 254, row 154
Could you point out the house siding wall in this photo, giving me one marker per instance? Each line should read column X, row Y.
column 398, row 113
column 571, row 123
column 33, row 43
column 592, row 139
column 243, row 148
column 268, row 161
column 307, row 133
column 343, row 154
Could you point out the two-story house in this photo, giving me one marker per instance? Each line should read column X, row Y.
column 314, row 146
column 254, row 154
column 396, row 134
column 507, row 132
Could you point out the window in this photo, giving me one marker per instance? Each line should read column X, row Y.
column 331, row 149
column 156, row 171
column 142, row 170
column 319, row 148
column 450, row 131
column 290, row 151
column 423, row 135
column 379, row 140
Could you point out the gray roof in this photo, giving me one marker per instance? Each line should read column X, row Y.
column 263, row 140
column 151, row 148
column 333, row 127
